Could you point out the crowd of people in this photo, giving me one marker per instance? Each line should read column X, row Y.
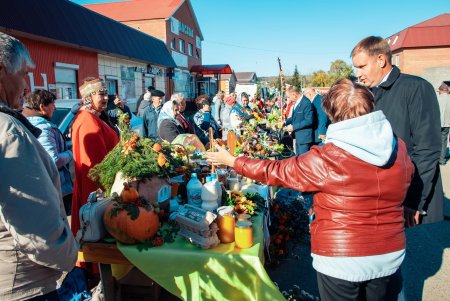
column 369, row 151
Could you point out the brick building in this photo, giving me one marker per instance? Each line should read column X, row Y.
column 424, row 49
column 68, row 42
column 175, row 23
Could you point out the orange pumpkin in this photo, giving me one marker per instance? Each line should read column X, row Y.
column 129, row 194
column 126, row 230
column 161, row 159
column 157, row 147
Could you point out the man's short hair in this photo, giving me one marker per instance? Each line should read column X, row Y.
column 244, row 95
column 201, row 100
column 346, row 100
column 294, row 89
column 373, row 46
column 38, row 98
column 443, row 88
column 13, row 54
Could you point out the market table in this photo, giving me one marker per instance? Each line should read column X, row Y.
column 220, row 273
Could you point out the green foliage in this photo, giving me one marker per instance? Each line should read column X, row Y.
column 320, row 79
column 295, row 79
column 339, row 69
column 135, row 158
column 166, row 234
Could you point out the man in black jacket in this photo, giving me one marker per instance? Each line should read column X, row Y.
column 151, row 114
column 410, row 104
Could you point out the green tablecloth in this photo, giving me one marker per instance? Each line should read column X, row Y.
column 221, row 273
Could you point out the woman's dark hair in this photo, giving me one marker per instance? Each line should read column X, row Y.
column 201, row 101
column 346, row 100
column 38, row 98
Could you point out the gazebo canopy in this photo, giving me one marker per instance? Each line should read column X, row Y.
column 212, row 69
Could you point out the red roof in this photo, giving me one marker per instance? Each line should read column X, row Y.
column 430, row 33
column 133, row 10
column 212, row 69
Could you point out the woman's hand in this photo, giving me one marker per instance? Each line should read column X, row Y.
column 221, row 156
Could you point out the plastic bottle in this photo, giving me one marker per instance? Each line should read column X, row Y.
column 209, row 195
column 218, row 187
column 194, row 191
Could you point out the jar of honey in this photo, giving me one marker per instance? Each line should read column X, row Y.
column 243, row 235
column 226, row 226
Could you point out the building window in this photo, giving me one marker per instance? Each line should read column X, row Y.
column 172, row 43
column 190, row 49
column 197, row 54
column 397, row 60
column 181, row 45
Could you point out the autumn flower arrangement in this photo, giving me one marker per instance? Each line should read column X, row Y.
column 245, row 204
column 137, row 158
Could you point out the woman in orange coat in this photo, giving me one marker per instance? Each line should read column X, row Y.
column 93, row 136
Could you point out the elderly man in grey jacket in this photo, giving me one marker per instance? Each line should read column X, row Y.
column 36, row 244
column 444, row 107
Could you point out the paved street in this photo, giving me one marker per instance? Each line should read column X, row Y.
column 426, row 268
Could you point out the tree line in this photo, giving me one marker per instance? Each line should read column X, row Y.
column 338, row 69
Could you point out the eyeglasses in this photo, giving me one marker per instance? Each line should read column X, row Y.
column 101, row 93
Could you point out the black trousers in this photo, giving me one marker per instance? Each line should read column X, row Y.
column 444, row 142
column 379, row 289
column 52, row 296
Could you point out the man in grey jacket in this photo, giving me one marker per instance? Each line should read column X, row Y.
column 36, row 244
column 444, row 107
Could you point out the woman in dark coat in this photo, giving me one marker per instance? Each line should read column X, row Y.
column 168, row 125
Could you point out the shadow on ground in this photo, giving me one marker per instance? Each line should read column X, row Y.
column 296, row 269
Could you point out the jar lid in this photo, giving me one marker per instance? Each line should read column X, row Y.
column 244, row 224
column 244, row 216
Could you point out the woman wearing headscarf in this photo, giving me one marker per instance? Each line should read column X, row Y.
column 237, row 114
column 93, row 137
column 184, row 121
column 360, row 178
column 168, row 125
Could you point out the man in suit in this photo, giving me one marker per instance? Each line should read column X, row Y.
column 301, row 121
column 410, row 104
column 321, row 120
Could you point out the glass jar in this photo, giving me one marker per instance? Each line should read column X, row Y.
column 243, row 235
column 233, row 184
column 226, row 226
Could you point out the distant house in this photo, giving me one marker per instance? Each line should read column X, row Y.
column 246, row 82
column 424, row 49
column 227, row 83
column 244, row 78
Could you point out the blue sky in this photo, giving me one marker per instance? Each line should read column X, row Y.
column 249, row 35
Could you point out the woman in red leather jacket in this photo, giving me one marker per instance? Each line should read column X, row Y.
column 360, row 178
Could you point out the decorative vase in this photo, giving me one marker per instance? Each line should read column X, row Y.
column 154, row 189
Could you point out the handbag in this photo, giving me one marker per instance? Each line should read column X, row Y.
column 91, row 218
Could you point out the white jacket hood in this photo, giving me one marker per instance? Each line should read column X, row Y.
column 368, row 137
